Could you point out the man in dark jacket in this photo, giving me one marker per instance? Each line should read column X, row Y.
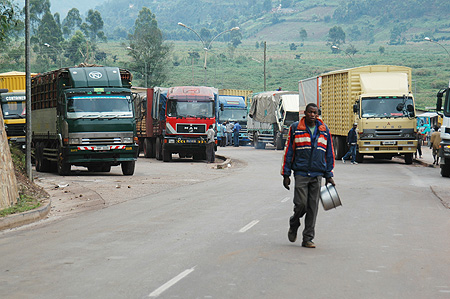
column 309, row 153
column 351, row 141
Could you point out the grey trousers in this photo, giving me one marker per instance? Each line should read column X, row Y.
column 306, row 201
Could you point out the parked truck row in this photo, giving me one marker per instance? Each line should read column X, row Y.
column 92, row 117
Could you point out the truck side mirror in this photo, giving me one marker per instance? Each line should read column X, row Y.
column 221, row 107
column 355, row 108
column 410, row 109
column 439, row 99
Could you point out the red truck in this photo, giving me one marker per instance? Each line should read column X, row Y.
column 174, row 120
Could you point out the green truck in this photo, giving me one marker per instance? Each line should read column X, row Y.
column 83, row 116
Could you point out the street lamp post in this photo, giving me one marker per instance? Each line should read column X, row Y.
column 59, row 53
column 337, row 48
column 430, row 40
column 206, row 46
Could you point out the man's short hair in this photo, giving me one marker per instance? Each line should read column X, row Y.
column 311, row 105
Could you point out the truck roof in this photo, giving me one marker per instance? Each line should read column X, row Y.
column 191, row 92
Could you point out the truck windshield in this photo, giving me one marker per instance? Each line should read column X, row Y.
column 13, row 109
column 291, row 117
column 385, row 106
column 193, row 108
column 99, row 106
column 233, row 115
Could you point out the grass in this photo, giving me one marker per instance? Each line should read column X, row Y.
column 25, row 203
column 28, row 198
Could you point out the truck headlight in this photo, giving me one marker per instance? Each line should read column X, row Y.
column 74, row 140
column 127, row 140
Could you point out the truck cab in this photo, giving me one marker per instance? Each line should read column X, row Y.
column 232, row 108
column 14, row 116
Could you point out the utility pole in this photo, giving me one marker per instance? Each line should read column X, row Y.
column 265, row 50
column 28, row 91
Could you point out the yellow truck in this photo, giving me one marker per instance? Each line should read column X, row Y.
column 12, row 98
column 379, row 99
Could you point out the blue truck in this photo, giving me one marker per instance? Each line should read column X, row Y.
column 233, row 109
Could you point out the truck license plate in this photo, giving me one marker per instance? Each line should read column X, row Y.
column 389, row 142
column 101, row 148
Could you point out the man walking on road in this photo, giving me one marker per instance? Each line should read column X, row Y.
column 309, row 153
column 351, row 141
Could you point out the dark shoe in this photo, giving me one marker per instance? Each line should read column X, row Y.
column 292, row 234
column 308, row 244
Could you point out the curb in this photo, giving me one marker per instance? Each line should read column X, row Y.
column 27, row 217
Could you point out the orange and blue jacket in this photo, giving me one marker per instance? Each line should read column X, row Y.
column 307, row 155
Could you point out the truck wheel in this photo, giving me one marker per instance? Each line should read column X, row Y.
column 42, row 164
column 147, row 148
column 128, row 167
column 279, row 142
column 408, row 158
column 166, row 155
column 62, row 167
column 158, row 152
column 257, row 144
column 359, row 157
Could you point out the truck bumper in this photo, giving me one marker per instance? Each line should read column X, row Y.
column 370, row 147
column 185, row 144
column 79, row 155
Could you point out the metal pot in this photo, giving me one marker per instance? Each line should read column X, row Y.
column 329, row 197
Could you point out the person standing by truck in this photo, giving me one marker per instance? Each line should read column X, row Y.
column 435, row 144
column 230, row 127
column 210, row 155
column 236, row 129
column 309, row 153
column 352, row 139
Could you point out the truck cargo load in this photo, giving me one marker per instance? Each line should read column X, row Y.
column 270, row 115
column 83, row 116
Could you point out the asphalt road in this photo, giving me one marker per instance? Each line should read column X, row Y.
column 210, row 233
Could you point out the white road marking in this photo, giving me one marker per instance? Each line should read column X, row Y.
column 248, row 226
column 171, row 282
column 285, row 199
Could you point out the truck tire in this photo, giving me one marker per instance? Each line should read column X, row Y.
column 359, row 157
column 42, row 164
column 166, row 155
column 257, row 143
column 128, row 167
column 158, row 147
column 445, row 170
column 62, row 167
column 148, row 148
column 279, row 144
column 106, row 168
column 408, row 159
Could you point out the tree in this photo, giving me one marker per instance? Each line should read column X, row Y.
column 47, row 39
column 9, row 20
column 37, row 9
column 147, row 49
column 72, row 21
column 336, row 36
column 267, row 5
column 303, row 34
column 77, row 48
column 93, row 26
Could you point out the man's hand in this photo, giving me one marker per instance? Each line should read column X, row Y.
column 330, row 181
column 286, row 182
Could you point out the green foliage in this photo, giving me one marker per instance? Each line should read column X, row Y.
column 336, row 36
column 147, row 49
column 93, row 26
column 9, row 19
column 303, row 34
column 25, row 203
column 72, row 22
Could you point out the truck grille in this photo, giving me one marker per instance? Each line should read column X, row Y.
column 15, row 129
column 191, row 128
column 100, row 140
